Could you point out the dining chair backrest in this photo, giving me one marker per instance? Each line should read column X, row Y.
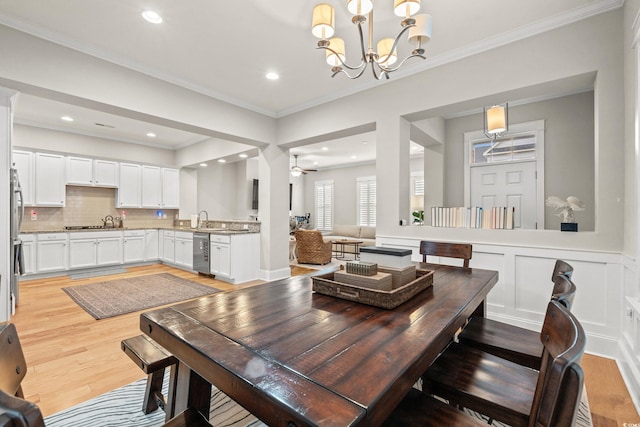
column 562, row 267
column 14, row 410
column 561, row 379
column 13, row 366
column 448, row 250
column 564, row 291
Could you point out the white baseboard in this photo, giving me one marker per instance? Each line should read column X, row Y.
column 271, row 275
column 628, row 365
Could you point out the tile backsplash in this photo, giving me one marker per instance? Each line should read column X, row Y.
column 88, row 206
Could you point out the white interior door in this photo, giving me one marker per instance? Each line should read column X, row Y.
column 508, row 184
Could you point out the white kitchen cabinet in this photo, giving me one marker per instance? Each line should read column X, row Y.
column 29, row 253
column 134, row 246
column 235, row 258
column 129, row 189
column 23, row 162
column 52, row 252
column 168, row 246
column 184, row 249
column 50, row 179
column 91, row 249
column 151, row 245
column 170, row 188
column 105, row 173
column 92, row 172
column 151, row 187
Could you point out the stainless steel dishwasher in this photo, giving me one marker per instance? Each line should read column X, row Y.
column 201, row 260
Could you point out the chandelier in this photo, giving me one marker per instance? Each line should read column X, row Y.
column 496, row 121
column 383, row 59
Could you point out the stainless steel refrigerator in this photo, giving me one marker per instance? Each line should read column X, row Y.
column 17, row 214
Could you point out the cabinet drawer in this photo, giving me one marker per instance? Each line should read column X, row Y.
column 134, row 233
column 52, row 236
column 186, row 235
column 217, row 238
column 168, row 233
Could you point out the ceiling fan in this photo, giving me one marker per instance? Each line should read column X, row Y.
column 297, row 170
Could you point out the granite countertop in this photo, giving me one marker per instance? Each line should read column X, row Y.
column 203, row 230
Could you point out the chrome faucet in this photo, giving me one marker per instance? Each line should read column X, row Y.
column 206, row 214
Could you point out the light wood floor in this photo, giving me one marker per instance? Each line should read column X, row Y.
column 72, row 357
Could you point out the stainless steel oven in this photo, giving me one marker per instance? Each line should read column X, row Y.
column 201, row 261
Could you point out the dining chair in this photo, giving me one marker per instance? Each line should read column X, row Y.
column 511, row 342
column 15, row 411
column 512, row 393
column 418, row 409
column 445, row 249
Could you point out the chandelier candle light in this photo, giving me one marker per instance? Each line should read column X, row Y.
column 385, row 56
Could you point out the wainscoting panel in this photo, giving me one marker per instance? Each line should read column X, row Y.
column 524, row 287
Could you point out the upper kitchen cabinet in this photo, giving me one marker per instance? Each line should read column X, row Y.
column 92, row 172
column 170, row 188
column 23, row 162
column 129, row 190
column 50, row 179
column 151, row 187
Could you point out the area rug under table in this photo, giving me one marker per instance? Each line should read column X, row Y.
column 123, row 407
column 116, row 297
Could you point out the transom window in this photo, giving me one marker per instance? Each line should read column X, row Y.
column 517, row 148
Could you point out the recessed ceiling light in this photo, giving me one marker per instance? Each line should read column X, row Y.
column 325, row 148
column 222, row 161
column 315, row 163
column 151, row 134
column 272, row 76
column 66, row 118
column 203, row 165
column 152, row 16
column 354, row 157
column 244, row 156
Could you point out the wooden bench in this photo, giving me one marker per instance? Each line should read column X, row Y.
column 152, row 359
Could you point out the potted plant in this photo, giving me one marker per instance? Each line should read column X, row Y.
column 418, row 217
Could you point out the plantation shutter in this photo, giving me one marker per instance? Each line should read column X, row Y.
column 366, row 201
column 324, row 205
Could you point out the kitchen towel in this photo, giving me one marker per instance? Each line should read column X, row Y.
column 194, row 221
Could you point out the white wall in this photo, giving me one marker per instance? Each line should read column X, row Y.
column 35, row 138
column 569, row 152
column 574, row 50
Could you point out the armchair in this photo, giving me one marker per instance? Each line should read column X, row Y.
column 311, row 248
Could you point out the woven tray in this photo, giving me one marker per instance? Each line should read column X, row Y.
column 325, row 284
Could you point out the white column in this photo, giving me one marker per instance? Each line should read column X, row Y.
column 393, row 175
column 273, row 212
column 7, row 99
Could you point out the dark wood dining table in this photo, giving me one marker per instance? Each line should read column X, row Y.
column 294, row 357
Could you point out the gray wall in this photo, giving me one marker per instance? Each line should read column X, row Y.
column 568, row 158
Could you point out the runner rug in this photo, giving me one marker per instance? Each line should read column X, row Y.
column 123, row 407
column 116, row 297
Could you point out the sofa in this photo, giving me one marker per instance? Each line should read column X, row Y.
column 366, row 234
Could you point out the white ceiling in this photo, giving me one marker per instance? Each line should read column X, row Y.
column 224, row 49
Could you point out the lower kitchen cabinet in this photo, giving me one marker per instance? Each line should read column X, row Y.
column 151, row 245
column 91, row 249
column 183, row 249
column 29, row 253
column 168, row 252
column 133, row 249
column 52, row 252
column 235, row 258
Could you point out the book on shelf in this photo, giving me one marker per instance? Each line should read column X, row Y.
column 497, row 217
